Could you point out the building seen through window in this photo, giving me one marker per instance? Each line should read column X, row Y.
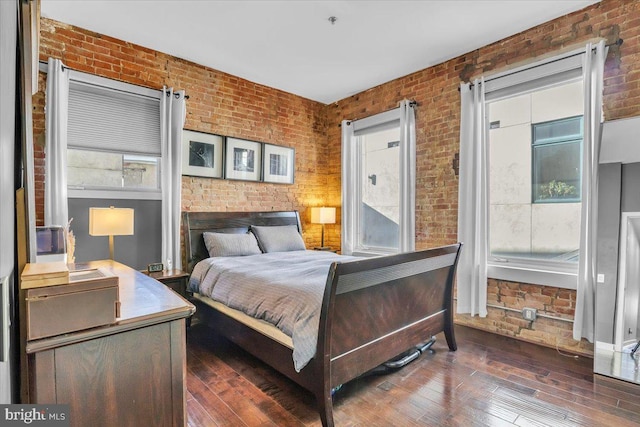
column 535, row 158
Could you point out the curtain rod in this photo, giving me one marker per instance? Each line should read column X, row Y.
column 616, row 43
column 43, row 65
column 411, row 104
column 176, row 95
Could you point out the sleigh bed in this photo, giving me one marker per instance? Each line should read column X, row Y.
column 371, row 309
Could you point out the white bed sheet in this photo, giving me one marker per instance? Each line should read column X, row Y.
column 282, row 288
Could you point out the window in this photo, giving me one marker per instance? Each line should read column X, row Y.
column 507, row 235
column 557, row 159
column 96, row 170
column 113, row 158
column 378, row 187
column 378, row 191
column 113, row 147
column 535, row 157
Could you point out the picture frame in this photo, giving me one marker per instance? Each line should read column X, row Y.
column 278, row 164
column 243, row 159
column 202, row 154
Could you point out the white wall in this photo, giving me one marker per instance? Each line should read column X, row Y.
column 632, row 280
column 620, row 141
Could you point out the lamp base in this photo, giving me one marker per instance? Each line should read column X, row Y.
column 323, row 248
column 111, row 246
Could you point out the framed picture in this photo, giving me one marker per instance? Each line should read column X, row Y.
column 202, row 154
column 279, row 164
column 243, row 159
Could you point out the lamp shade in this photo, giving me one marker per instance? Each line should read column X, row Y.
column 110, row 221
column 323, row 215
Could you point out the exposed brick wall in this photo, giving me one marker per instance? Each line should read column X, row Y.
column 438, row 121
column 555, row 306
column 218, row 103
column 224, row 104
column 38, row 147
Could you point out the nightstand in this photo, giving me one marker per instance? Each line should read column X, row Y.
column 175, row 279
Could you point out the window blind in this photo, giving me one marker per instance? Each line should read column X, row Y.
column 105, row 119
column 377, row 123
column 546, row 73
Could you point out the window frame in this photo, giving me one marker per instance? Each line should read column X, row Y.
column 545, row 74
column 89, row 80
column 352, row 171
column 557, row 141
column 146, row 193
column 539, row 272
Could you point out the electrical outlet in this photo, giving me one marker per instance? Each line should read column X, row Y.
column 529, row 314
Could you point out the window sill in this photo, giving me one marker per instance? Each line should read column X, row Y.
column 535, row 276
column 366, row 254
column 371, row 252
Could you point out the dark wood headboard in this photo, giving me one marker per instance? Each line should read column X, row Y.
column 196, row 223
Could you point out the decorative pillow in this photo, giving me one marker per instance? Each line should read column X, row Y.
column 227, row 244
column 278, row 238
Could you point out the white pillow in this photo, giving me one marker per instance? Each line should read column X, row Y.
column 227, row 244
column 278, row 238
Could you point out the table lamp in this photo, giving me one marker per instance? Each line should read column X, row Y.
column 323, row 216
column 110, row 222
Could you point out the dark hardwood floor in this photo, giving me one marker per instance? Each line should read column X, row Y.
column 490, row 381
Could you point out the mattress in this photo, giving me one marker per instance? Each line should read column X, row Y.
column 284, row 289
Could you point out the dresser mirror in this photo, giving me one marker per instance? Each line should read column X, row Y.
column 617, row 319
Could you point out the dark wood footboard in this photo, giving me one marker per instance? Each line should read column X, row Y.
column 377, row 308
column 373, row 309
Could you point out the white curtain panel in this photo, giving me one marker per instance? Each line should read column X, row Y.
column 56, row 210
column 172, row 116
column 593, row 69
column 473, row 202
column 348, row 189
column 407, row 176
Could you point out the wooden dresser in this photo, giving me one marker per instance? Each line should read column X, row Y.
column 130, row 373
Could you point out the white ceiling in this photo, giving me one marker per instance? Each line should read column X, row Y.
column 292, row 45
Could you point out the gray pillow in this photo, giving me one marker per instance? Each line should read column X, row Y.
column 278, row 238
column 226, row 244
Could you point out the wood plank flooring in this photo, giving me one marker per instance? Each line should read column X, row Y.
column 490, row 381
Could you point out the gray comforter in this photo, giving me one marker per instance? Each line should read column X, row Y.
column 282, row 288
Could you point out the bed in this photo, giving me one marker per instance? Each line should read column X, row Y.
column 371, row 309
